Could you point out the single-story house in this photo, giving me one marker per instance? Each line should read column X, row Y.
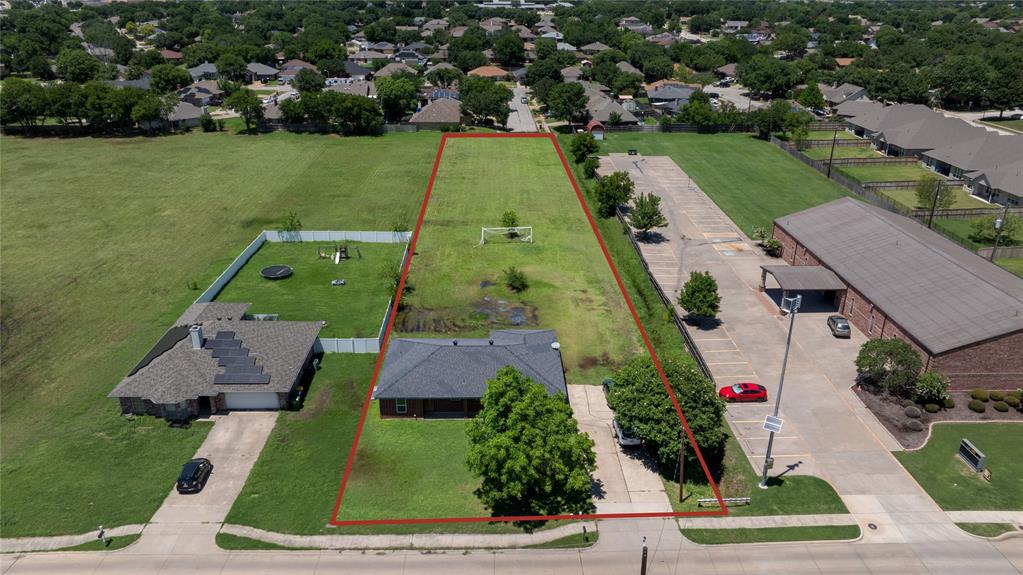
column 143, row 83
column 897, row 279
column 364, row 88
column 733, row 26
column 410, row 57
column 835, row 95
column 383, row 47
column 357, row 72
column 439, row 113
column 727, row 71
column 600, row 106
column 489, row 72
column 204, row 71
column 205, row 93
column 628, row 68
column 670, row 96
column 395, row 68
column 572, row 73
column 213, row 359
column 261, row 72
column 429, row 94
column 172, row 56
column 424, row 378
column 185, row 115
column 594, row 47
column 367, row 57
column 991, row 166
column 291, row 68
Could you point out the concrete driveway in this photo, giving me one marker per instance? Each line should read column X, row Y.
column 625, row 481
column 521, row 117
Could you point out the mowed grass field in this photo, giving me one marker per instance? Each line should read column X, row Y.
column 355, row 309
column 101, row 238
column 963, row 199
column 885, row 173
column 823, row 153
column 571, row 287
column 751, row 180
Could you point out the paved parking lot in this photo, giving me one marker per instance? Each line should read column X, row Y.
column 626, row 482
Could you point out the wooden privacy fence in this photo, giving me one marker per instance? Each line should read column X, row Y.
column 821, row 126
column 838, row 143
column 968, row 213
column 1003, row 252
column 687, row 339
column 687, row 128
column 878, row 161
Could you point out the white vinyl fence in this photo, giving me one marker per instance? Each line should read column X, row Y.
column 323, row 344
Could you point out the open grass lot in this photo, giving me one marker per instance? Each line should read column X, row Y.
column 884, row 173
column 239, row 543
column 772, row 534
column 293, row 486
column 959, row 230
column 1014, row 265
column 355, row 309
column 572, row 289
column 101, row 238
column 1014, row 125
column 750, row 179
column 413, row 469
column 828, row 134
column 963, row 199
column 788, row 495
column 823, row 153
column 953, row 485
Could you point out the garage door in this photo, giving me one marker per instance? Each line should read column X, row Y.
column 251, row 400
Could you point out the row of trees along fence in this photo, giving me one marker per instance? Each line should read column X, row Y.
column 687, row 339
column 687, row 128
column 319, row 127
column 76, row 131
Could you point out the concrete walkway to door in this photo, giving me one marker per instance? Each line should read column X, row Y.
column 827, row 432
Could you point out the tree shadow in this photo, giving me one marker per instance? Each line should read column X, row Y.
column 703, row 323
column 651, row 237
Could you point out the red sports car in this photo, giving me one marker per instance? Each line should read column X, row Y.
column 743, row 392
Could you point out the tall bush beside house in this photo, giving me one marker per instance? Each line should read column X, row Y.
column 931, row 387
column 700, row 297
column 889, row 363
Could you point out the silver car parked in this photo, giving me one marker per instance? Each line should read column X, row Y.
column 839, row 326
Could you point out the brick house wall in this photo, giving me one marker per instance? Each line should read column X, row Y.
column 995, row 364
column 418, row 408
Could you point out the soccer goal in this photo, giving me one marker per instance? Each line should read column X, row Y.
column 505, row 235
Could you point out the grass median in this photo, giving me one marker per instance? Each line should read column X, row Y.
column 772, row 534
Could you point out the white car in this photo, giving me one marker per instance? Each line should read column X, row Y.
column 626, row 437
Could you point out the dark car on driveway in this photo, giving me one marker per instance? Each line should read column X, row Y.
column 194, row 475
column 743, row 392
column 839, row 326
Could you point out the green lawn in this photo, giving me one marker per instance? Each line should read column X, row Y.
column 787, row 495
column 823, row 153
column 238, row 543
column 828, row 134
column 953, row 485
column 574, row 541
column 1014, row 125
column 772, row 534
column 885, row 173
column 987, row 529
column 750, row 179
column 571, row 288
column 908, row 199
column 958, row 229
column 293, row 486
column 355, row 309
column 1014, row 265
column 101, row 238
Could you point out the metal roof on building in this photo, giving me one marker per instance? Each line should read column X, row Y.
column 805, row 278
column 942, row 295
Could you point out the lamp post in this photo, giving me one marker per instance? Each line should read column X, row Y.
column 793, row 309
column 999, row 224
column 642, row 566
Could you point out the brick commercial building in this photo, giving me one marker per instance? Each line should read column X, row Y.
column 963, row 314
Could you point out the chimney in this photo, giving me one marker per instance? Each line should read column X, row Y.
column 195, row 334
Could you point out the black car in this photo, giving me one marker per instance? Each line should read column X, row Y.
column 194, row 475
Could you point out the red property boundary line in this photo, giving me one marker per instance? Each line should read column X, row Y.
column 723, row 509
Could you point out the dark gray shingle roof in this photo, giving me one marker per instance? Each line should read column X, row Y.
column 438, row 369
column 942, row 295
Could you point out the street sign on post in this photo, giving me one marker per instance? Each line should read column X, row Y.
column 773, row 424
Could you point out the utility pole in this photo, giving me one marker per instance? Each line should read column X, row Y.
column 793, row 309
column 681, row 466
column 934, row 204
column 999, row 224
column 834, row 139
column 642, row 566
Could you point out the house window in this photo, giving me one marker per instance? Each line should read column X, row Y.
column 401, row 406
column 137, row 405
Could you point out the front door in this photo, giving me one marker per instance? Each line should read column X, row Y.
column 175, row 411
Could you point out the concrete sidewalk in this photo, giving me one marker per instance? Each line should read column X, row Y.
column 765, row 521
column 414, row 541
column 1014, row 517
column 63, row 541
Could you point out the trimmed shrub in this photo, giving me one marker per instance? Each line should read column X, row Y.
column 590, row 166
column 996, row 395
column 913, row 411
column 1018, row 394
column 1000, row 406
column 931, row 387
column 908, row 403
column 949, row 403
column 515, row 280
column 980, row 395
column 931, row 408
column 1012, row 401
column 977, row 405
column 914, row 425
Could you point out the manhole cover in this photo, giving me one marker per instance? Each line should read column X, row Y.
column 872, row 526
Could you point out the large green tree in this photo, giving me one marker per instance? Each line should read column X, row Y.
column 509, row 50
column 527, row 449
column 640, row 401
column 307, row 80
column 445, row 76
column 889, row 363
column 612, row 191
column 583, row 146
column 231, row 67
column 22, row 102
column 567, row 101
column 397, row 95
column 933, row 191
column 646, row 215
column 962, row 80
column 766, row 74
column 168, row 78
column 484, row 98
column 699, row 296
column 76, row 66
column 247, row 104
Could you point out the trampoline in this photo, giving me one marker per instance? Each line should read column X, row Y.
column 276, row 272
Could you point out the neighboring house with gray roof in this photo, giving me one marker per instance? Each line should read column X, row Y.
column 991, row 165
column 395, row 68
column 204, row 71
column 257, row 71
column 961, row 313
column 600, row 106
column 913, row 138
column 835, row 95
column 670, row 96
column 447, row 377
column 213, row 359
column 440, row 113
